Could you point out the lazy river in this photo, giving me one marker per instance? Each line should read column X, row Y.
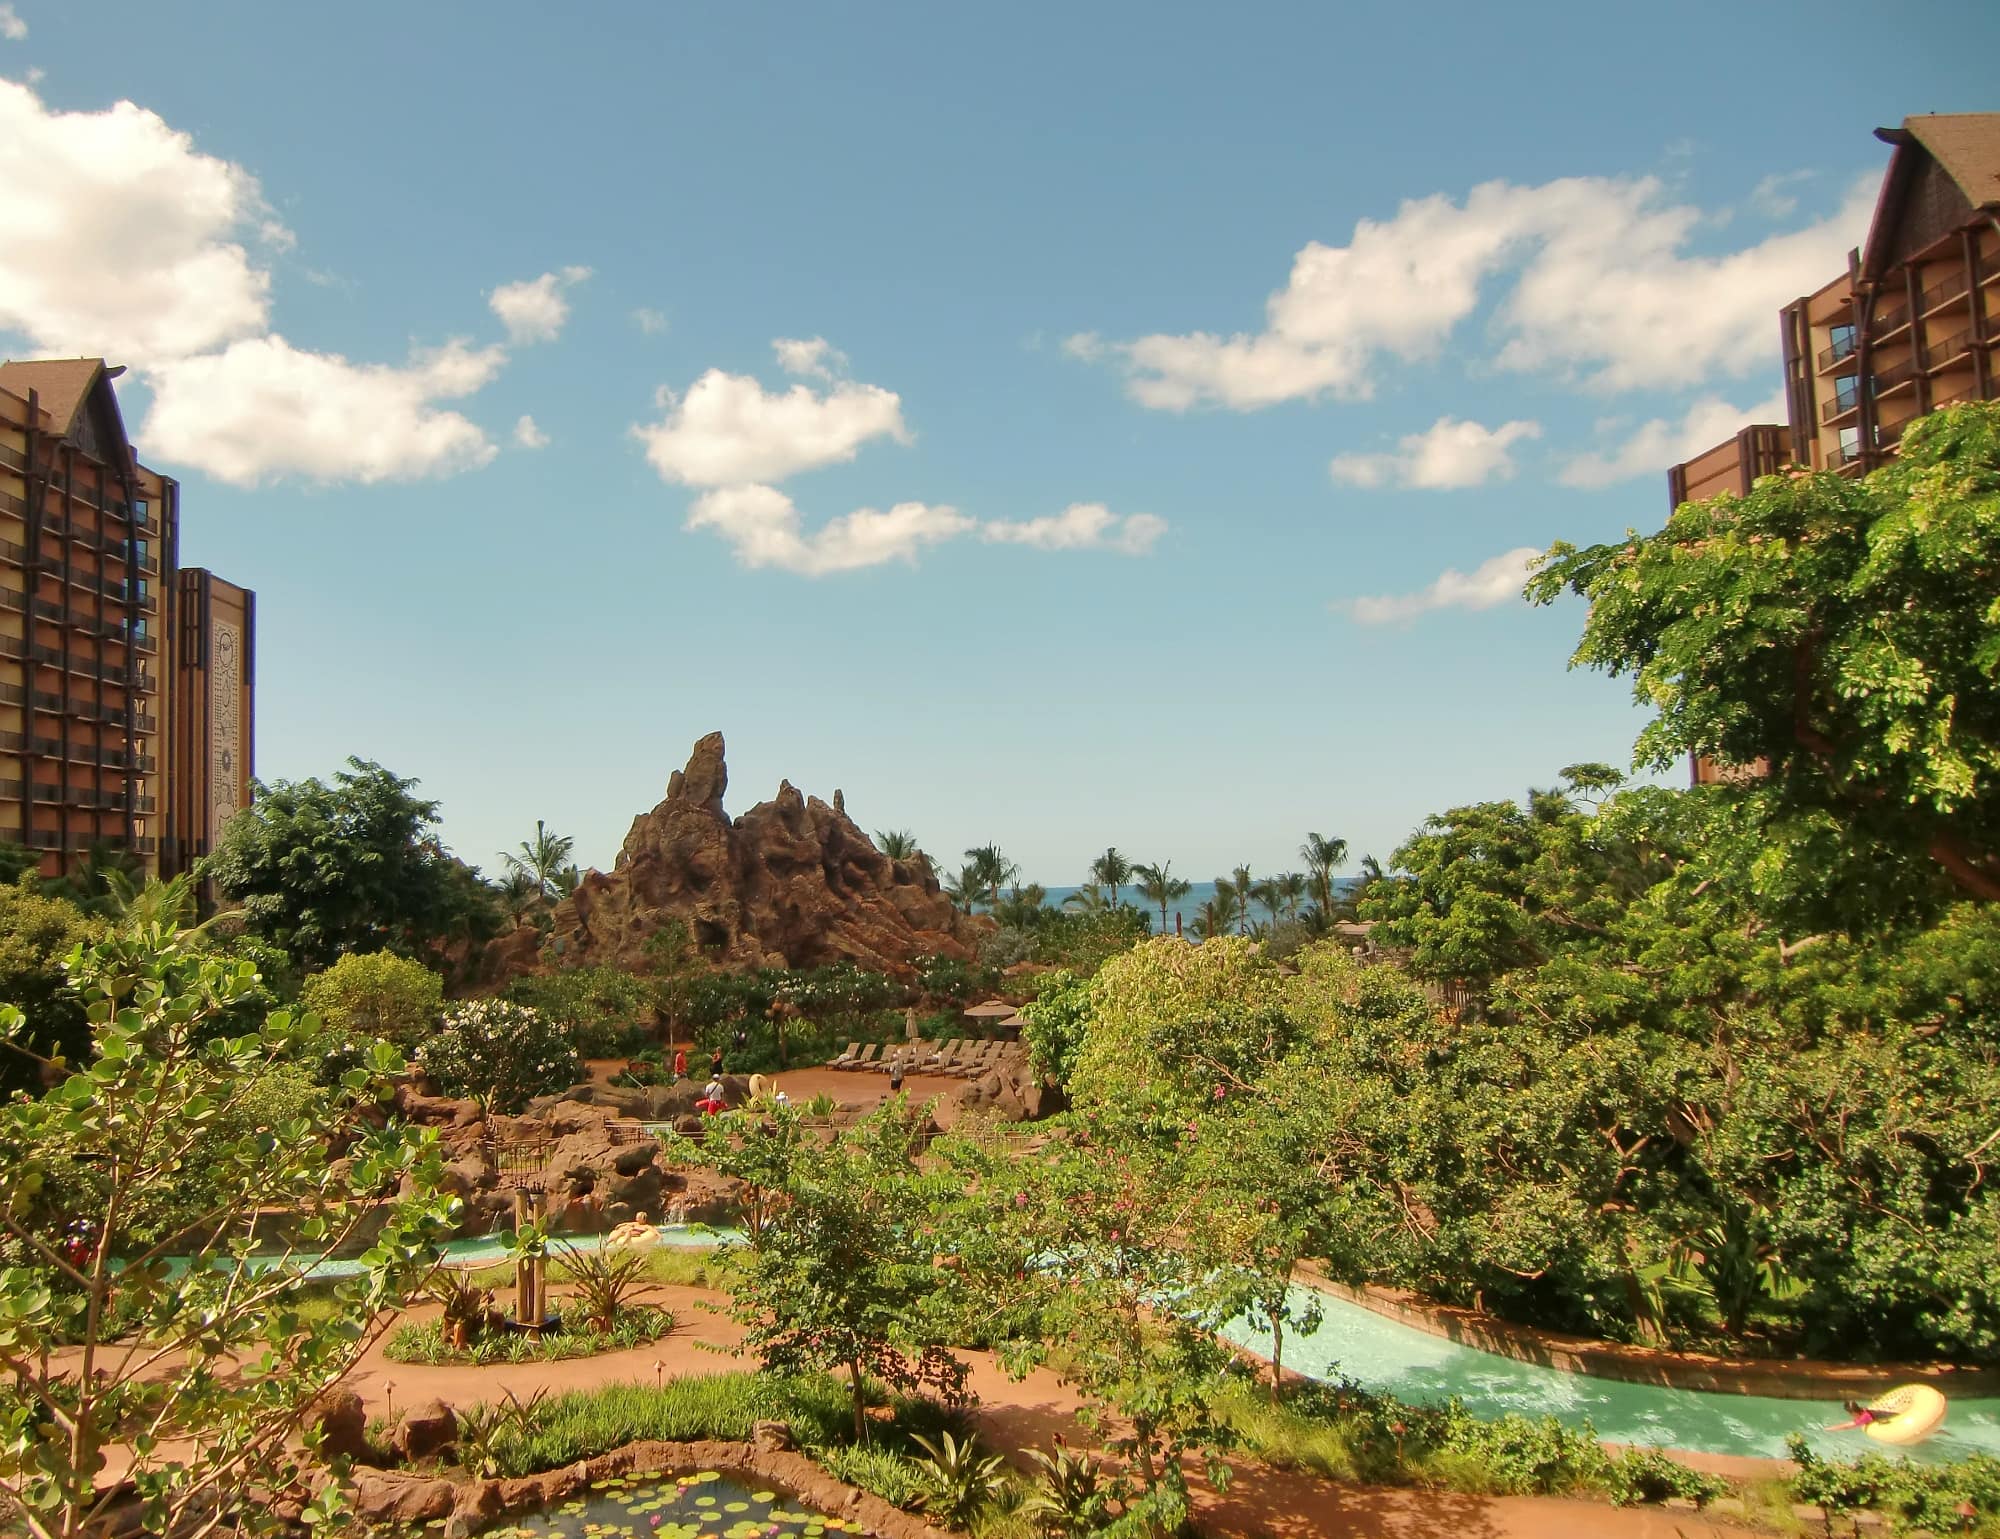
column 1382, row 1354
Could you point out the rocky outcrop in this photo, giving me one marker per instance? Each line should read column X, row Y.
column 793, row 882
column 1015, row 1092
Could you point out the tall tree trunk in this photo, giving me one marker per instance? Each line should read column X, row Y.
column 1277, row 1353
column 860, row 1409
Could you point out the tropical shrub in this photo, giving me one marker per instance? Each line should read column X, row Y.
column 1058, row 1021
column 377, row 994
column 36, row 933
column 497, row 1049
column 607, row 1012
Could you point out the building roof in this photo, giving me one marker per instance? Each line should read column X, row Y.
column 1967, row 145
column 63, row 385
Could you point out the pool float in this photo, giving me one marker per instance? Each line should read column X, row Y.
column 1908, row 1414
column 637, row 1235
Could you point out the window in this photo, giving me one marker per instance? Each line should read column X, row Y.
column 1843, row 342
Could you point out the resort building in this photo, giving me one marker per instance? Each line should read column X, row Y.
column 1910, row 326
column 125, row 682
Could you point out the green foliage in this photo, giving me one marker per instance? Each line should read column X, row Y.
column 958, row 1477
column 835, row 1275
column 429, row 1342
column 1157, row 884
column 1072, row 1497
column 543, row 861
column 604, row 1281
column 1641, row 1475
column 607, row 1011
column 36, row 933
column 499, row 1050
column 1846, row 633
column 1057, row 1019
column 895, row 1477
column 1941, row 1497
column 157, row 1094
column 323, row 869
column 723, row 1406
column 377, row 994
column 946, row 980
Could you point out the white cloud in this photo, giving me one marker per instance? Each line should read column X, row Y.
column 1486, row 586
column 1770, row 198
column 1603, row 287
column 649, row 321
column 535, row 309
column 529, row 435
column 764, row 526
column 814, row 357
column 1653, row 446
column 12, row 27
column 1449, row 454
column 122, row 239
column 728, row 431
column 1080, row 526
column 262, row 410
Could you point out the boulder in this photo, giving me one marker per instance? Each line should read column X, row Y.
column 770, row 1436
column 390, row 1496
column 342, row 1421
column 793, row 882
column 423, row 1431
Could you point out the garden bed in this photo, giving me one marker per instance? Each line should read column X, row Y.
column 425, row 1341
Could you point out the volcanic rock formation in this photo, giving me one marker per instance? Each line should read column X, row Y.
column 793, row 882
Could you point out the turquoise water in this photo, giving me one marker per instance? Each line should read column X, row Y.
column 704, row 1505
column 1385, row 1355
column 484, row 1250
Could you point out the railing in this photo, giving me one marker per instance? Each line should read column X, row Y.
column 13, row 459
column 111, row 673
column 1843, row 347
column 95, row 801
column 1841, row 405
column 91, row 711
column 1896, row 376
column 1969, row 393
column 1987, row 268
column 49, row 839
column 1890, row 321
column 1840, row 457
column 1942, row 353
column 1938, row 293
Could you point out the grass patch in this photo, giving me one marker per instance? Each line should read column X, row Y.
column 425, row 1342
column 680, row 1266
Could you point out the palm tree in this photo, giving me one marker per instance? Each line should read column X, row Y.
column 1349, row 906
column 1157, row 884
column 1271, row 893
column 1321, row 855
column 994, row 871
column 1243, row 896
column 897, row 843
column 518, row 894
column 1293, row 886
column 542, row 858
column 1024, row 908
column 965, row 889
column 1219, row 914
column 1089, row 899
column 1110, row 869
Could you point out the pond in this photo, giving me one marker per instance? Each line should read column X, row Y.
column 702, row 1505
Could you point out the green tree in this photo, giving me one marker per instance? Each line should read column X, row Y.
column 1024, row 908
column 841, row 1275
column 1158, row 884
column 606, row 1011
column 1087, row 899
column 967, row 889
column 900, row 844
column 36, row 934
column 543, row 860
column 1843, row 636
column 208, row 1374
column 1243, row 890
column 322, row 869
column 1321, row 854
column 1111, row 871
column 991, row 871
column 377, row 995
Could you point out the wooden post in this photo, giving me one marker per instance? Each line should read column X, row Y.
column 523, row 1280
column 539, row 1275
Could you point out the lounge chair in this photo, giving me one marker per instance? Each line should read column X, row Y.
column 908, row 1055
column 853, row 1051
column 975, row 1064
column 941, row 1061
column 864, row 1058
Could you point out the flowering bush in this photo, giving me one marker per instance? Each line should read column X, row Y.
column 501, row 1050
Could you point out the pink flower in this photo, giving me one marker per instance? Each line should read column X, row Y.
column 1020, row 1199
column 1219, row 1092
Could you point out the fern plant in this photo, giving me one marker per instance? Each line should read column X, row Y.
column 1069, row 1495
column 605, row 1281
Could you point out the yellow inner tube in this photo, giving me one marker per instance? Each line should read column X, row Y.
column 632, row 1237
column 1907, row 1414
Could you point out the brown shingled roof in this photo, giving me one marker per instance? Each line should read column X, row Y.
column 1967, row 145
column 63, row 384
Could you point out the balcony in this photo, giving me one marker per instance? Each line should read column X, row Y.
column 1843, row 403
column 49, row 839
column 95, row 801
column 1888, row 323
column 92, row 712
column 1941, row 294
column 1895, row 379
column 1840, row 352
column 13, row 459
column 1941, row 354
column 110, row 673
column 1843, row 456
column 103, row 758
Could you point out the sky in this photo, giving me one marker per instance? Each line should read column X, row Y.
column 1060, row 426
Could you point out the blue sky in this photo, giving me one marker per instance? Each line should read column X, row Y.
column 1181, row 353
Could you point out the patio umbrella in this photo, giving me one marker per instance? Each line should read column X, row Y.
column 992, row 1010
